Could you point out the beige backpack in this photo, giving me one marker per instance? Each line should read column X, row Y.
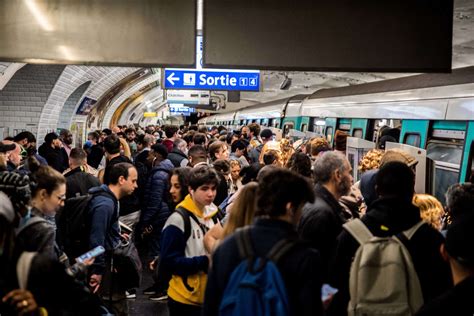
column 383, row 280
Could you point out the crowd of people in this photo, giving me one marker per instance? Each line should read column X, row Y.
column 230, row 222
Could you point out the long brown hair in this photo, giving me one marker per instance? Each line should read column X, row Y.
column 243, row 209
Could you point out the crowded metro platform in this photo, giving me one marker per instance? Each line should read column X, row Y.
column 187, row 205
column 216, row 157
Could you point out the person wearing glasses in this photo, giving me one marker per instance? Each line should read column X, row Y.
column 37, row 228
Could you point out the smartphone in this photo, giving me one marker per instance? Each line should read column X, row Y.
column 97, row 251
column 326, row 291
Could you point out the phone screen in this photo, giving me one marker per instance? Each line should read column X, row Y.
column 97, row 251
column 327, row 291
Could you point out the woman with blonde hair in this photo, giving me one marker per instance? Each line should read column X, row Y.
column 431, row 210
column 239, row 213
column 371, row 160
column 242, row 211
column 125, row 148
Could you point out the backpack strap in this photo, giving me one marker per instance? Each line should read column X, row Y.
column 405, row 236
column 244, row 243
column 187, row 222
column 280, row 249
column 32, row 221
column 23, row 268
column 409, row 233
column 358, row 230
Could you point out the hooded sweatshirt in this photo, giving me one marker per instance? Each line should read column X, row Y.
column 186, row 260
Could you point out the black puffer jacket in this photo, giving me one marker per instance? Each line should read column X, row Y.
column 56, row 157
column 321, row 223
column 38, row 236
column 176, row 156
column 387, row 217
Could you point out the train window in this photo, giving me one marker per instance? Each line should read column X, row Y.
column 304, row 127
column 412, row 139
column 447, row 159
column 357, row 132
column 329, row 131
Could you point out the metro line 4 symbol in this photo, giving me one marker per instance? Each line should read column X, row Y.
column 253, row 82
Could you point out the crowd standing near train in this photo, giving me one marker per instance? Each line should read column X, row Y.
column 231, row 221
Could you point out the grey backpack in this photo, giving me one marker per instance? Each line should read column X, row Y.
column 383, row 280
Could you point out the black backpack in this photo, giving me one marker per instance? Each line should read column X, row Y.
column 73, row 225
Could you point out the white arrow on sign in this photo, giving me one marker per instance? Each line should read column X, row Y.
column 171, row 78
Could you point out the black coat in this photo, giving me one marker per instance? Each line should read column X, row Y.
column 387, row 217
column 321, row 223
column 457, row 301
column 78, row 182
column 176, row 156
column 299, row 268
column 56, row 157
column 52, row 288
column 95, row 155
column 38, row 237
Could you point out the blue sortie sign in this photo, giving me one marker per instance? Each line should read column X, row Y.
column 211, row 80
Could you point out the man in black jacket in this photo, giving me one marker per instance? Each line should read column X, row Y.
column 322, row 220
column 460, row 254
column 96, row 151
column 53, row 153
column 391, row 214
column 280, row 198
column 78, row 181
column 129, row 203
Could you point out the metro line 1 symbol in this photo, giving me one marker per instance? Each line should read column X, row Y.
column 205, row 79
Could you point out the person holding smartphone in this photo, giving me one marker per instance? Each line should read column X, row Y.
column 105, row 232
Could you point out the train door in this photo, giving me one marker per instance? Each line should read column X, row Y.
column 378, row 127
column 316, row 125
column 287, row 126
column 415, row 132
column 330, row 129
column 445, row 150
column 359, row 128
column 420, row 156
column 304, row 122
column 467, row 166
column 356, row 149
column 344, row 125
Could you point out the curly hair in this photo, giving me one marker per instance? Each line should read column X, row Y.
column 371, row 160
column 431, row 210
column 318, row 145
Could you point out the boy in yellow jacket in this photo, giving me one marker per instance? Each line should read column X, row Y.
column 185, row 257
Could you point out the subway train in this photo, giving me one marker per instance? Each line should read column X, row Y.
column 433, row 112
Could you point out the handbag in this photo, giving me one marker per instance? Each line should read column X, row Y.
column 128, row 265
